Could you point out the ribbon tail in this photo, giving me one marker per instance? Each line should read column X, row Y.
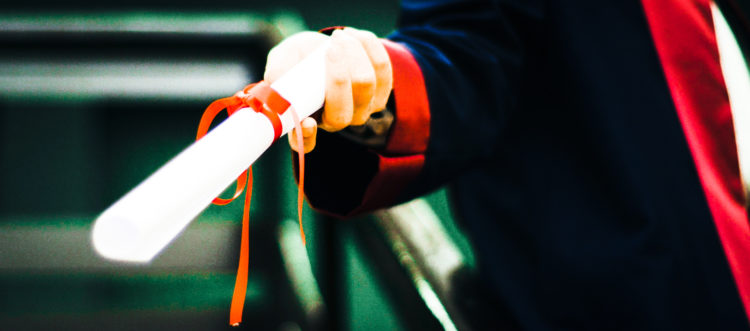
column 301, row 184
column 240, row 284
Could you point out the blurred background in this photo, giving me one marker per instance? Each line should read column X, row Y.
column 95, row 96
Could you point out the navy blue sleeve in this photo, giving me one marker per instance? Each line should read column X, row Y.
column 456, row 70
column 471, row 54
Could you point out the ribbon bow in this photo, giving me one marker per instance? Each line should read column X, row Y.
column 263, row 99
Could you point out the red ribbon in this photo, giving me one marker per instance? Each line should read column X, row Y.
column 263, row 99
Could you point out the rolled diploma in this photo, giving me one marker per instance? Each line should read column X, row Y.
column 144, row 221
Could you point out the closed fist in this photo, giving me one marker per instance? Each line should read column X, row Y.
column 359, row 77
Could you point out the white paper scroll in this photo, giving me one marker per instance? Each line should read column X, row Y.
column 144, row 221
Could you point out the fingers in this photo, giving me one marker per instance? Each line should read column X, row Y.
column 359, row 77
column 369, row 73
column 339, row 106
column 380, row 62
column 362, row 74
column 289, row 52
column 309, row 135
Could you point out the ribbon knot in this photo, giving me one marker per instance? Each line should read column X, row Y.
column 262, row 99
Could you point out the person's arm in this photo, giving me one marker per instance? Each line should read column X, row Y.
column 456, row 67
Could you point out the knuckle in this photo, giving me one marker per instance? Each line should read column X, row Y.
column 337, row 123
column 363, row 82
column 367, row 35
column 364, row 76
column 378, row 104
column 381, row 65
column 346, row 37
column 338, row 80
column 363, row 35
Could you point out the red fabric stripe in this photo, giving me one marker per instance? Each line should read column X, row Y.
column 410, row 131
column 394, row 173
column 684, row 37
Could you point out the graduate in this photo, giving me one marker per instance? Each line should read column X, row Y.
column 589, row 147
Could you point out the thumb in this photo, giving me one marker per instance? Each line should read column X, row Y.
column 309, row 133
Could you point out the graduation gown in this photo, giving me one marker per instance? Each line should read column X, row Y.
column 589, row 152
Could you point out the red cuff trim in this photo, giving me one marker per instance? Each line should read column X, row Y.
column 394, row 173
column 411, row 128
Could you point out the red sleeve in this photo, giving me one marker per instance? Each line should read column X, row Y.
column 344, row 179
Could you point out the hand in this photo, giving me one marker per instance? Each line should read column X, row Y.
column 359, row 78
